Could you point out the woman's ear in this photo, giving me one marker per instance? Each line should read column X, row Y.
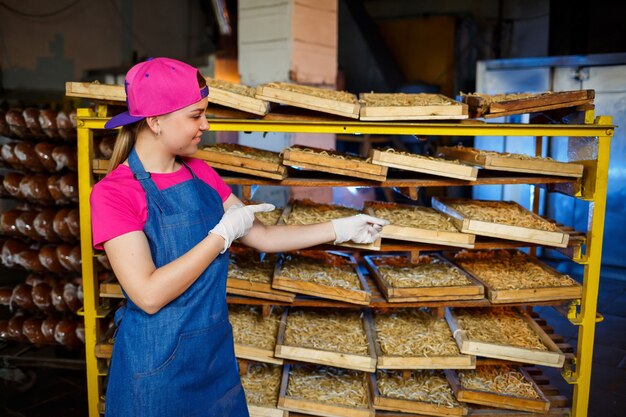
column 153, row 124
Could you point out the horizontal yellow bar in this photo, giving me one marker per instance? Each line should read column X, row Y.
column 386, row 128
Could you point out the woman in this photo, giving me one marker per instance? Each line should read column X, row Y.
column 166, row 222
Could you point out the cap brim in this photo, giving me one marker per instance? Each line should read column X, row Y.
column 122, row 119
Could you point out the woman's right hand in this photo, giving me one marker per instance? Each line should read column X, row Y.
column 237, row 221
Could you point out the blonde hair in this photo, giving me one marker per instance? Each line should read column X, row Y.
column 125, row 141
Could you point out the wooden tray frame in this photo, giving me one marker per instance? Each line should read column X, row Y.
column 306, row 101
column 502, row 231
column 502, row 296
column 440, row 167
column 360, row 297
column 553, row 357
column 329, row 358
column 237, row 101
column 443, row 293
column 492, row 399
column 415, row 234
column 502, row 163
column 456, row 110
column 460, row 361
column 96, row 91
column 315, row 407
column 410, row 406
column 375, row 246
column 242, row 164
column 296, row 157
column 541, row 102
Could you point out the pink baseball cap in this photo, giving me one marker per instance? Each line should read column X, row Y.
column 158, row 86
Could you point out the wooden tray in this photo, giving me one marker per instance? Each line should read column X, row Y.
column 474, row 291
column 376, row 106
column 96, row 91
column 244, row 163
column 325, row 212
column 324, row 161
column 427, row 165
column 465, row 224
column 248, row 287
column 502, row 162
column 236, row 96
column 431, row 361
column 256, row 353
column 345, row 360
column 553, row 357
column 264, row 410
column 522, row 295
column 484, row 105
column 353, row 296
column 412, row 406
column 312, row 98
column 418, row 234
column 319, row 408
column 494, row 399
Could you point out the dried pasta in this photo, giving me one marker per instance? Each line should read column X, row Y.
column 315, row 91
column 244, row 151
column 504, row 380
column 251, row 328
column 305, row 268
column 403, row 99
column 413, row 216
column 262, row 384
column 427, row 272
column 247, row 266
column 501, row 212
column 328, row 385
column 414, row 333
column 330, row 330
column 330, row 153
column 240, row 89
column 498, row 325
column 413, row 155
column 307, row 212
column 510, row 270
column 428, row 386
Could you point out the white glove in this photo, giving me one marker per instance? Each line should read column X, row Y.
column 359, row 229
column 237, row 221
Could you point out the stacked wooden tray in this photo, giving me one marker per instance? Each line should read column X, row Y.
column 424, row 164
column 236, row 96
column 504, row 161
column 431, row 278
column 333, row 162
column 300, row 212
column 498, row 105
column 416, row 339
column 424, row 392
column 261, row 383
column 250, row 274
column 511, row 276
column 340, row 338
column 418, row 224
column 325, row 391
column 324, row 275
column 503, row 333
column 504, row 386
column 401, row 106
column 243, row 159
column 255, row 335
column 501, row 219
column 327, row 101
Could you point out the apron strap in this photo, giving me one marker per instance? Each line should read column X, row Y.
column 146, row 182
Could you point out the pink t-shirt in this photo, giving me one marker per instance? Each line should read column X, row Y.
column 118, row 202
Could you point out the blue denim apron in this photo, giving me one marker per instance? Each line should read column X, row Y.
column 180, row 361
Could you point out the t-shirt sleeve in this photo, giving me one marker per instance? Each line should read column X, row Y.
column 208, row 175
column 113, row 213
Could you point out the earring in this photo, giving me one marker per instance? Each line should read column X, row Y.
column 158, row 132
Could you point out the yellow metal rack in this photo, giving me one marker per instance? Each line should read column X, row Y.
column 592, row 188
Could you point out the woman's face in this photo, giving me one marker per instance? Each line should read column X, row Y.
column 182, row 129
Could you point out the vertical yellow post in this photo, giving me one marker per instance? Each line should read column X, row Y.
column 90, row 284
column 591, row 282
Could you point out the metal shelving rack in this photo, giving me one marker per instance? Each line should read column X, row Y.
column 592, row 188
